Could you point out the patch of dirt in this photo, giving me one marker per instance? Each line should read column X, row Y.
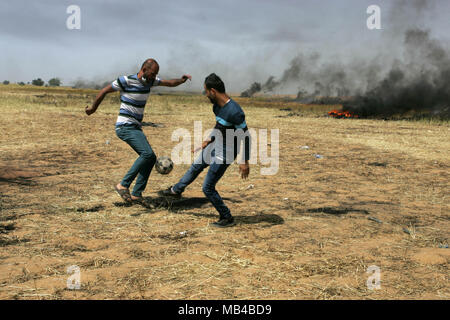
column 432, row 256
column 311, row 231
column 13, row 175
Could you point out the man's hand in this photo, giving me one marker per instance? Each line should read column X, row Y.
column 175, row 82
column 99, row 99
column 244, row 170
column 89, row 110
column 185, row 77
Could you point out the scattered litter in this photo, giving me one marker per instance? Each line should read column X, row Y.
column 378, row 164
column 406, row 231
column 92, row 209
column 318, row 156
column 290, row 114
column 108, row 142
column 250, row 186
column 304, row 148
column 183, row 233
column 443, row 246
column 375, row 219
column 286, row 199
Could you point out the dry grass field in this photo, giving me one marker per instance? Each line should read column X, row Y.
column 379, row 196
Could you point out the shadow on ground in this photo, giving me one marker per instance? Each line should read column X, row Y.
column 334, row 210
column 18, row 180
column 271, row 219
column 174, row 205
column 179, row 206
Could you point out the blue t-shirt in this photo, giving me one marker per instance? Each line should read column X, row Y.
column 230, row 118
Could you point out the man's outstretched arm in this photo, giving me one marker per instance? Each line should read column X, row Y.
column 175, row 82
column 91, row 109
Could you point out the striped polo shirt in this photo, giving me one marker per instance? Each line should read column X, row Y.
column 133, row 97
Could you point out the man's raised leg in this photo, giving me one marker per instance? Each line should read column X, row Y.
column 195, row 169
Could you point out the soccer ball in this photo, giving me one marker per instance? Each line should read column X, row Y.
column 164, row 165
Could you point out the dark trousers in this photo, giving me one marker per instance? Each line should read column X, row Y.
column 215, row 172
column 143, row 165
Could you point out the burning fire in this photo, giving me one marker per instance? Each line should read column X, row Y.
column 342, row 114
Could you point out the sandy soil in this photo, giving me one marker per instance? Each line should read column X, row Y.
column 379, row 196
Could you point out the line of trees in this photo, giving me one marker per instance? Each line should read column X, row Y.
column 53, row 82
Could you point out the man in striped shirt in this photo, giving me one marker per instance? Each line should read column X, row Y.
column 134, row 92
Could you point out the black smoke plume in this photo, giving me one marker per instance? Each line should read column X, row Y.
column 410, row 74
column 420, row 83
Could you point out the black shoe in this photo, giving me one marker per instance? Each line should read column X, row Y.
column 224, row 223
column 169, row 193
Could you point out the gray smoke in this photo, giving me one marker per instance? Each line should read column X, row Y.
column 86, row 84
column 254, row 88
column 312, row 77
column 411, row 72
column 421, row 82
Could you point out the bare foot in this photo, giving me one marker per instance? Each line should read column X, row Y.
column 120, row 187
column 135, row 198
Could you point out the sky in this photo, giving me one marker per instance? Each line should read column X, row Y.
column 242, row 41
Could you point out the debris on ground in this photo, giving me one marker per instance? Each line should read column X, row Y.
column 183, row 233
column 375, row 219
column 378, row 164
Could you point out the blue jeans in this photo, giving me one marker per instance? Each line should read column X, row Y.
column 214, row 174
column 143, row 165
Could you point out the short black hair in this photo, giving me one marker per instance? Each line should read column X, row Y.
column 213, row 81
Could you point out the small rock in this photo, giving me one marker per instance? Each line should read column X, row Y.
column 285, row 198
column 250, row 186
column 304, row 148
column 108, row 142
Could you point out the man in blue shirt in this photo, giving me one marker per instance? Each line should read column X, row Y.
column 219, row 151
column 134, row 92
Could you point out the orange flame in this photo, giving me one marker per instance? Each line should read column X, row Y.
column 342, row 114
